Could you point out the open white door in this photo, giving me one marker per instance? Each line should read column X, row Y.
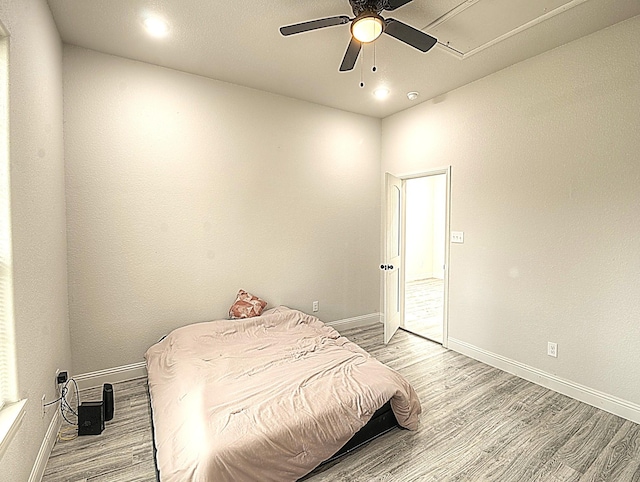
column 392, row 264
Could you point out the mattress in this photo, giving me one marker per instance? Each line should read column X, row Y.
column 268, row 398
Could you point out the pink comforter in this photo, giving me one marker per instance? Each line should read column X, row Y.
column 267, row 398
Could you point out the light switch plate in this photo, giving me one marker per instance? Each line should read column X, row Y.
column 457, row 236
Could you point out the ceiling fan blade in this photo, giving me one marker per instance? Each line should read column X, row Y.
column 393, row 4
column 351, row 55
column 314, row 25
column 409, row 35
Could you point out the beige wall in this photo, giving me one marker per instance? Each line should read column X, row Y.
column 181, row 190
column 545, row 186
column 38, row 220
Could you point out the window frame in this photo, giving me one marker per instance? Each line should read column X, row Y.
column 12, row 410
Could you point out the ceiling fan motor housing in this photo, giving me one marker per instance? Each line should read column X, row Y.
column 362, row 6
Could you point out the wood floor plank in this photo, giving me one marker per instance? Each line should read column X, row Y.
column 478, row 424
column 620, row 459
column 424, row 308
column 138, row 472
column 589, row 440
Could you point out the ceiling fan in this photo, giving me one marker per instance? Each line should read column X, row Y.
column 367, row 26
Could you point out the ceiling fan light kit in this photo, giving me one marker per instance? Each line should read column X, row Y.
column 366, row 27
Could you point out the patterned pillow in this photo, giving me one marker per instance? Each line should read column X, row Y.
column 246, row 306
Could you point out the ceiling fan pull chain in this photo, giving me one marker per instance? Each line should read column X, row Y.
column 362, row 69
column 374, row 68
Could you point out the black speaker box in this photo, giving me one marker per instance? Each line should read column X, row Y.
column 90, row 418
column 107, row 398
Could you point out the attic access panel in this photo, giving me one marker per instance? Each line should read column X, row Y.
column 475, row 25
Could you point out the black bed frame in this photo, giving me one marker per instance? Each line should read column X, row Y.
column 380, row 423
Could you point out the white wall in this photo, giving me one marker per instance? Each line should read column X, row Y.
column 439, row 204
column 419, row 229
column 545, row 176
column 38, row 220
column 182, row 190
column 425, row 201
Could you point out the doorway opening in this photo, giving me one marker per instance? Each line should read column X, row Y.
column 425, row 255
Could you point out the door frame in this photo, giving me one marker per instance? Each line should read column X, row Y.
column 445, row 312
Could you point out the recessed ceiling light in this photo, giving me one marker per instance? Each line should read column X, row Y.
column 156, row 26
column 412, row 95
column 381, row 92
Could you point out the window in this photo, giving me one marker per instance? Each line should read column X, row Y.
column 11, row 411
column 7, row 356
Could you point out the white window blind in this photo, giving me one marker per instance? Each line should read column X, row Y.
column 7, row 355
column 6, row 332
column 7, row 348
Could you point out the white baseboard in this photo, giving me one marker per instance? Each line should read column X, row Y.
column 604, row 401
column 45, row 449
column 111, row 375
column 355, row 322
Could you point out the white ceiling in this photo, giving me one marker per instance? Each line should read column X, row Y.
column 238, row 41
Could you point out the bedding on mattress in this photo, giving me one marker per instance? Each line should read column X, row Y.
column 266, row 398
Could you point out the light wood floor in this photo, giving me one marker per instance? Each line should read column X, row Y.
column 478, row 424
column 423, row 311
